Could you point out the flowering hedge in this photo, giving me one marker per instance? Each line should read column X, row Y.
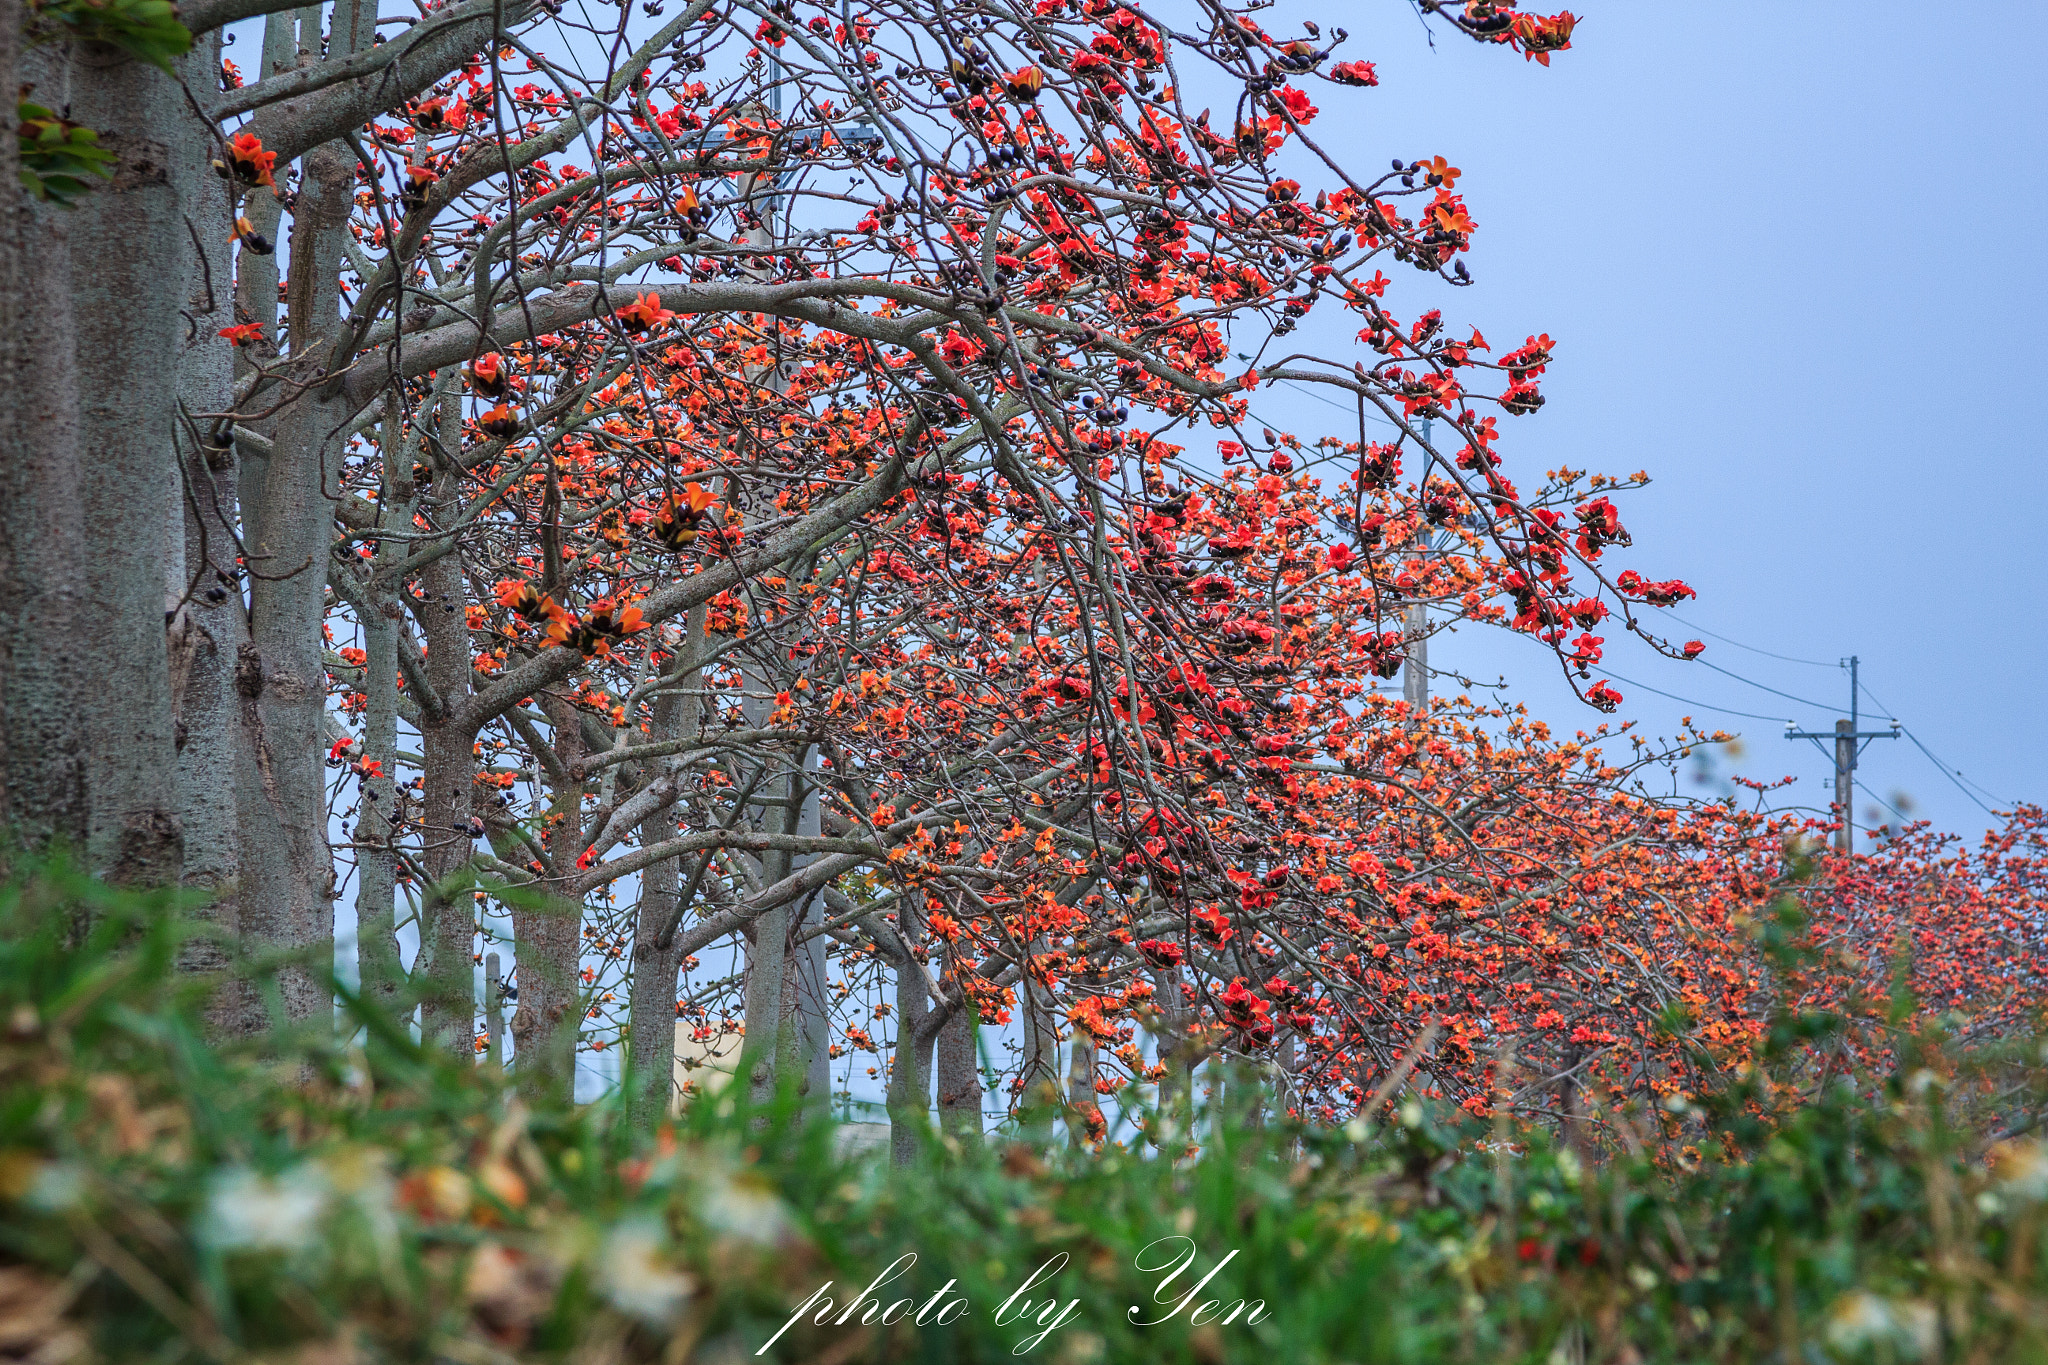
column 320, row 1200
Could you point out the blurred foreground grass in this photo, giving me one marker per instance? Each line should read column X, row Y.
column 299, row 1198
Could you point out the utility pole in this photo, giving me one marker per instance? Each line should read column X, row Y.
column 1849, row 745
column 494, row 1013
column 1415, row 633
column 1415, row 667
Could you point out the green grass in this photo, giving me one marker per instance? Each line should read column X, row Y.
column 164, row 1198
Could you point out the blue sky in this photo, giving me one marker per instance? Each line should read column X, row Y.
column 1792, row 256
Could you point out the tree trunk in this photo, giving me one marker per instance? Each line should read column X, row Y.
column 807, row 1010
column 762, row 1044
column 1176, row 1090
column 448, row 778
column 44, row 722
column 287, row 866
column 910, row 1090
column 212, row 623
column 255, row 273
column 959, row 1074
column 959, row 1077
column 1041, row 1089
column 550, row 1014
column 130, row 249
column 1082, row 1106
column 380, row 971
column 651, row 1009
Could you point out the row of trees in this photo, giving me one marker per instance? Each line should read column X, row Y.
column 784, row 475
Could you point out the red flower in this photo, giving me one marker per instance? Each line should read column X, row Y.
column 500, row 422
column 1354, row 73
column 1161, row 953
column 417, row 179
column 488, row 377
column 643, row 313
column 1022, row 86
column 1668, row 593
column 1539, row 37
column 247, row 159
column 676, row 525
column 244, row 334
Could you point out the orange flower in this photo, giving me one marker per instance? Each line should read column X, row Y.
column 643, row 313
column 676, row 525
column 1023, row 85
column 1440, row 172
column 248, row 161
column 500, row 422
column 417, row 181
column 245, row 232
column 488, row 376
column 1539, row 37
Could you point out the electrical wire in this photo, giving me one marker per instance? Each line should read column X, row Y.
column 1704, row 706
column 1816, row 663
column 1962, row 782
column 1309, row 392
column 1803, row 701
column 1954, row 775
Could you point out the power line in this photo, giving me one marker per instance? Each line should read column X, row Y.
column 1769, row 654
column 1308, row 392
column 1803, row 701
column 1961, row 780
column 1850, row 742
column 1954, row 775
column 1704, row 706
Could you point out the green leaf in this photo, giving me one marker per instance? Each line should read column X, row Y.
column 59, row 158
column 148, row 29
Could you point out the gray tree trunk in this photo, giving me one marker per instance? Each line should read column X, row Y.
column 910, row 1089
column 651, row 1012
column 806, row 1009
column 651, row 1009
column 255, row 274
column 550, row 1013
column 959, row 1076
column 212, row 624
column 287, row 865
column 44, row 725
column 1041, row 1088
column 129, row 258
column 761, row 1046
column 381, row 972
column 448, row 777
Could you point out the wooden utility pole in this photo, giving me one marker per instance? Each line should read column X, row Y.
column 1415, row 631
column 1415, row 666
column 494, row 1012
column 1849, row 742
